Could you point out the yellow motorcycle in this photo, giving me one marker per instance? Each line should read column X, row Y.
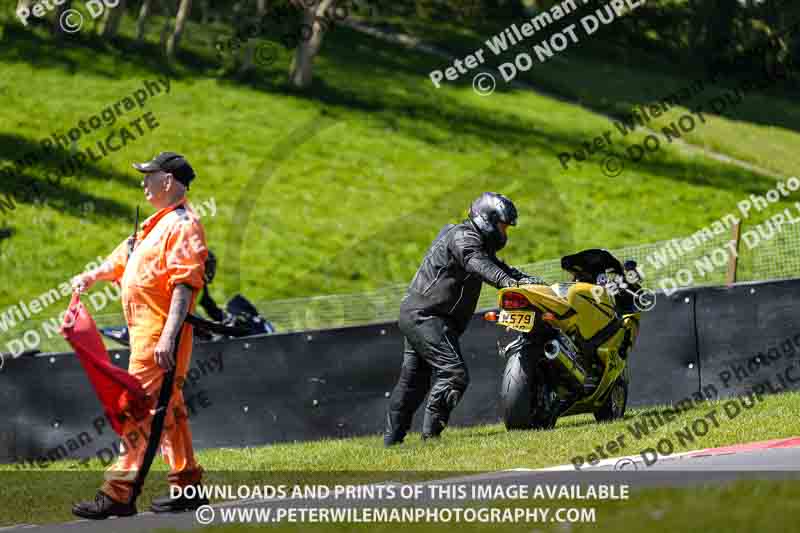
column 570, row 356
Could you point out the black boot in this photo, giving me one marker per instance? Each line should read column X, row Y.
column 390, row 440
column 392, row 435
column 431, row 438
column 433, row 425
column 168, row 504
column 102, row 507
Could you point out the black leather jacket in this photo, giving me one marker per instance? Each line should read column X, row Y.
column 448, row 283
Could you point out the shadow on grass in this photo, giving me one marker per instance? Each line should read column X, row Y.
column 39, row 184
column 553, row 217
column 609, row 47
column 387, row 83
column 14, row 147
column 423, row 112
column 77, row 53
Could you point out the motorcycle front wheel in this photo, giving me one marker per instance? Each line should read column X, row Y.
column 614, row 406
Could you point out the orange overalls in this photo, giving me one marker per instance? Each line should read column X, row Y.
column 170, row 250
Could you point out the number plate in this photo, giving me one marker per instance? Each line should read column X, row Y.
column 518, row 320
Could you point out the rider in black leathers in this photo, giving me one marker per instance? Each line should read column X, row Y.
column 437, row 308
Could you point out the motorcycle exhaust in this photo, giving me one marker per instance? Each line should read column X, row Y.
column 556, row 350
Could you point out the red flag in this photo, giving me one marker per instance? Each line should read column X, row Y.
column 120, row 393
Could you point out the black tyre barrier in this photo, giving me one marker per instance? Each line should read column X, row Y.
column 335, row 383
column 664, row 362
column 749, row 337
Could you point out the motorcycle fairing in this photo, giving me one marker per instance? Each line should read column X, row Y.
column 596, row 311
column 589, row 317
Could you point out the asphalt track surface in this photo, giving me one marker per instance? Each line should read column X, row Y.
column 771, row 460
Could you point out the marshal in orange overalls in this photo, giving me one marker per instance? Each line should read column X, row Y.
column 171, row 250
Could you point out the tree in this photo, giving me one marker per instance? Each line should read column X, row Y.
column 180, row 23
column 25, row 6
column 315, row 24
column 57, row 28
column 109, row 26
column 144, row 12
column 165, row 30
column 262, row 7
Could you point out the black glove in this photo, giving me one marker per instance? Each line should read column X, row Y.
column 531, row 280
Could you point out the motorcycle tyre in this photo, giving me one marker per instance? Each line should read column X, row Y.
column 606, row 412
column 515, row 394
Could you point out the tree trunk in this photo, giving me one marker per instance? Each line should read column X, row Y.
column 141, row 22
column 23, row 5
column 250, row 45
column 57, row 28
column 695, row 26
column 165, row 30
column 111, row 19
column 205, row 12
column 180, row 23
column 165, row 34
column 247, row 56
column 302, row 70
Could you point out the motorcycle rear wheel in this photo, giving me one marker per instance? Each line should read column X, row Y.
column 515, row 394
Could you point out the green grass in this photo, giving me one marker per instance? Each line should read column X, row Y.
column 352, row 205
column 611, row 78
column 355, row 205
column 474, row 449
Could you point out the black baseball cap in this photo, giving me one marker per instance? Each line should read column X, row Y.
column 170, row 162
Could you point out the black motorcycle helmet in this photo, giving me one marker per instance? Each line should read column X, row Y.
column 489, row 210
